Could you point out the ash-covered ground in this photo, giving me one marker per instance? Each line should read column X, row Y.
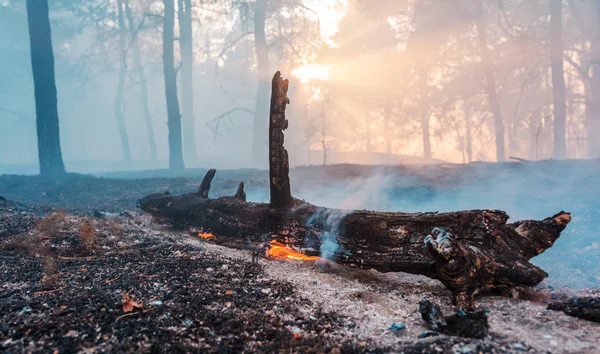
column 75, row 248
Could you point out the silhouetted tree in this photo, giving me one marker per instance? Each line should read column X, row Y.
column 173, row 115
column 42, row 64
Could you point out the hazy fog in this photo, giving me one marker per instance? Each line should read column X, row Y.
column 375, row 82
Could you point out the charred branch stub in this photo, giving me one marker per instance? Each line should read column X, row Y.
column 205, row 184
column 279, row 167
column 240, row 194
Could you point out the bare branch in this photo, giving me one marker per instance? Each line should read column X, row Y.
column 217, row 120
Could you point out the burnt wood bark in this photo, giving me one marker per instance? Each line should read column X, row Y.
column 469, row 251
column 46, row 109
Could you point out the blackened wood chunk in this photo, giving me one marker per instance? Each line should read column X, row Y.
column 471, row 324
column 205, row 185
column 279, row 166
column 587, row 308
column 432, row 315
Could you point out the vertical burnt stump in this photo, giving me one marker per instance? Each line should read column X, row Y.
column 279, row 166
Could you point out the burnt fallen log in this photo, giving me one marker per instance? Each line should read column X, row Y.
column 468, row 251
column 587, row 308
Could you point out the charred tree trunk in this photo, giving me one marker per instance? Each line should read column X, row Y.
column 118, row 105
column 279, row 165
column 187, row 80
column 137, row 58
column 262, row 91
column 469, row 251
column 490, row 81
column 558, row 80
column 42, row 65
column 174, row 117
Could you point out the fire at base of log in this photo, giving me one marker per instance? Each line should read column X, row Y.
column 470, row 252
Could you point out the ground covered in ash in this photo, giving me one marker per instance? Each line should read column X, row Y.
column 120, row 283
column 82, row 270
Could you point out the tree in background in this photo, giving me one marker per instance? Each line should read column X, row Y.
column 187, row 82
column 490, row 79
column 170, row 76
column 141, row 77
column 118, row 105
column 261, row 110
column 558, row 79
column 42, row 64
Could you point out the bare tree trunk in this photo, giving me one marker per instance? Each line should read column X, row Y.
column 594, row 104
column 558, row 79
column 118, row 105
column 425, row 116
column 187, row 80
column 174, row 118
column 490, row 81
column 535, row 125
column 137, row 58
column 262, row 93
column 42, row 65
column 468, row 131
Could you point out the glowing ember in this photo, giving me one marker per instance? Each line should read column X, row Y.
column 206, row 235
column 278, row 250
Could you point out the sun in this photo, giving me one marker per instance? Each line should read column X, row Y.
column 311, row 72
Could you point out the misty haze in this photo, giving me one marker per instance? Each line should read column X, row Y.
column 377, row 162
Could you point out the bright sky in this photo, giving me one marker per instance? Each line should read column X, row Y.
column 329, row 13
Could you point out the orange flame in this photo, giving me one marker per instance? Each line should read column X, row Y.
column 278, row 250
column 205, row 235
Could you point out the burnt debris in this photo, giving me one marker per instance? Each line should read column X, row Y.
column 470, row 324
column 587, row 308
